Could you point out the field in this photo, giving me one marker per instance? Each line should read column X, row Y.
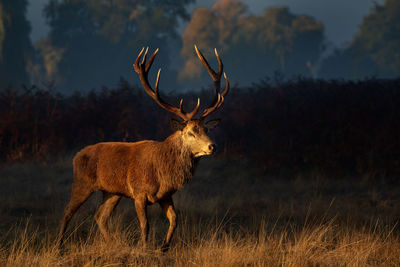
column 232, row 213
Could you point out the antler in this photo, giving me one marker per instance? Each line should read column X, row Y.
column 143, row 69
column 219, row 97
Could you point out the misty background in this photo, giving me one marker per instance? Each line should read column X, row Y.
column 84, row 45
column 341, row 18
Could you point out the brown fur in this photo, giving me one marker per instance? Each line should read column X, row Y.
column 146, row 171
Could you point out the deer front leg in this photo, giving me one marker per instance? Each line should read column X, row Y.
column 168, row 206
column 141, row 210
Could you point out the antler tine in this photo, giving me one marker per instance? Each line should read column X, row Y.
column 145, row 55
column 151, row 59
column 136, row 65
column 196, row 109
column 227, row 86
column 142, row 69
column 220, row 65
column 218, row 98
column 218, row 103
column 157, row 80
column 215, row 76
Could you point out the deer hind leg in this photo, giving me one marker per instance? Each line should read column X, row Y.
column 168, row 206
column 79, row 195
column 103, row 213
column 141, row 210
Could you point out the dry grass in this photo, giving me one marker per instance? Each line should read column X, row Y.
column 230, row 215
column 196, row 245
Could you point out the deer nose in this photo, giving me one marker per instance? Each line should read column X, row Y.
column 212, row 148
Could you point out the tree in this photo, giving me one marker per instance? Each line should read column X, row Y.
column 256, row 45
column 296, row 41
column 93, row 43
column 210, row 28
column 15, row 45
column 375, row 49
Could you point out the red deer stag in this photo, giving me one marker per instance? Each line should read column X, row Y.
column 146, row 171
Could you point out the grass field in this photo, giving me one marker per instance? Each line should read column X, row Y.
column 230, row 214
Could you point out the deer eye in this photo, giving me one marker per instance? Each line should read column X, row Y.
column 196, row 129
column 191, row 134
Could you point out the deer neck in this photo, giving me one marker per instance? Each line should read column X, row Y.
column 178, row 163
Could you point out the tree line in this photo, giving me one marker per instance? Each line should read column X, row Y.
column 305, row 124
column 93, row 43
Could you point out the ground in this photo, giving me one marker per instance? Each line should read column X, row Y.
column 230, row 214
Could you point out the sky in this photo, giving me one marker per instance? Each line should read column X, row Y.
column 340, row 17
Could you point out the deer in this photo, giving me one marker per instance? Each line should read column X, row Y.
column 146, row 171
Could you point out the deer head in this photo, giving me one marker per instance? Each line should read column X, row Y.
column 193, row 131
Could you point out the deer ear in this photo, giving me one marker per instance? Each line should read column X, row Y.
column 212, row 124
column 177, row 125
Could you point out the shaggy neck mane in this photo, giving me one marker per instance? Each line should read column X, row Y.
column 175, row 162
